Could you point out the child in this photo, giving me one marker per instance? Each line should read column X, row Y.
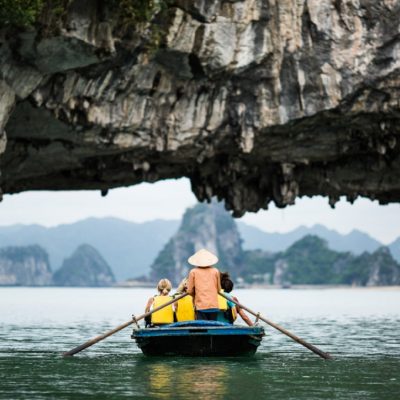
column 184, row 308
column 165, row 315
column 227, row 286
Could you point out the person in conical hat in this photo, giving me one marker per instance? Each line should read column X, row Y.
column 204, row 283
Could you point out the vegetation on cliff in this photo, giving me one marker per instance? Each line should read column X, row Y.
column 310, row 261
column 136, row 11
column 19, row 12
column 25, row 13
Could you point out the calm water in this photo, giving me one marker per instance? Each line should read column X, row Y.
column 361, row 328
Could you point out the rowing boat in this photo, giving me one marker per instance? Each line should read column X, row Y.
column 199, row 338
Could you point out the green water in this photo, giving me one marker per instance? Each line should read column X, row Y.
column 360, row 328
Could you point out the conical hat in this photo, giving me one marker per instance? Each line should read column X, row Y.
column 203, row 258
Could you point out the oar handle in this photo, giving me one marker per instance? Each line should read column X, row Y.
column 97, row 339
column 279, row 328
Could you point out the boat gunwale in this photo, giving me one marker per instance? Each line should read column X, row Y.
column 197, row 330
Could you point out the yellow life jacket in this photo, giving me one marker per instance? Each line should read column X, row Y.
column 185, row 310
column 229, row 312
column 222, row 302
column 234, row 313
column 165, row 315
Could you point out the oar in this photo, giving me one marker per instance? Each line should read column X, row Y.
column 97, row 339
column 279, row 328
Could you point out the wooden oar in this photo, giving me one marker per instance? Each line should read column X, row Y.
column 97, row 339
column 279, row 328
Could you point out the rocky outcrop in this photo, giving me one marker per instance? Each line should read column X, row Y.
column 85, row 267
column 203, row 226
column 382, row 269
column 24, row 266
column 311, row 261
column 254, row 100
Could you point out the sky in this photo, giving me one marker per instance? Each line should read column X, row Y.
column 169, row 199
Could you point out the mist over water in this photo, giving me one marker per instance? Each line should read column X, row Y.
column 359, row 327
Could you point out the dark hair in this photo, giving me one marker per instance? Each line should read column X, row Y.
column 226, row 282
column 224, row 275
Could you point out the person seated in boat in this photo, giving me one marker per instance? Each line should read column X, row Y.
column 204, row 284
column 166, row 314
column 228, row 309
column 184, row 308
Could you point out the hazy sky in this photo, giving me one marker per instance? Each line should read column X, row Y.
column 169, row 199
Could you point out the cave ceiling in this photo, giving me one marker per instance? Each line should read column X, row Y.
column 254, row 101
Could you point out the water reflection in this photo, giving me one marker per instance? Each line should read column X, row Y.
column 180, row 378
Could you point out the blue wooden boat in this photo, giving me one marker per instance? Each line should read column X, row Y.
column 199, row 338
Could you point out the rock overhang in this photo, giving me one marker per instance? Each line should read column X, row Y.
column 254, row 101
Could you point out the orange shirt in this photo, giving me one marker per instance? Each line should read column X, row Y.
column 204, row 285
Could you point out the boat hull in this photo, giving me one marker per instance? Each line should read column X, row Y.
column 199, row 338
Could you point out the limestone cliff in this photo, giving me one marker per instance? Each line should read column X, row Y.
column 203, row 226
column 380, row 269
column 254, row 100
column 24, row 266
column 311, row 261
column 85, row 267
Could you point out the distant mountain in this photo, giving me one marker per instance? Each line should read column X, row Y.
column 207, row 226
column 24, row 266
column 85, row 267
column 356, row 242
column 128, row 247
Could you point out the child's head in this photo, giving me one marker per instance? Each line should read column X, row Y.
column 226, row 282
column 182, row 286
column 164, row 287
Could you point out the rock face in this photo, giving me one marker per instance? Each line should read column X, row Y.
column 85, row 267
column 310, row 261
column 203, row 226
column 24, row 266
column 254, row 100
column 381, row 269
